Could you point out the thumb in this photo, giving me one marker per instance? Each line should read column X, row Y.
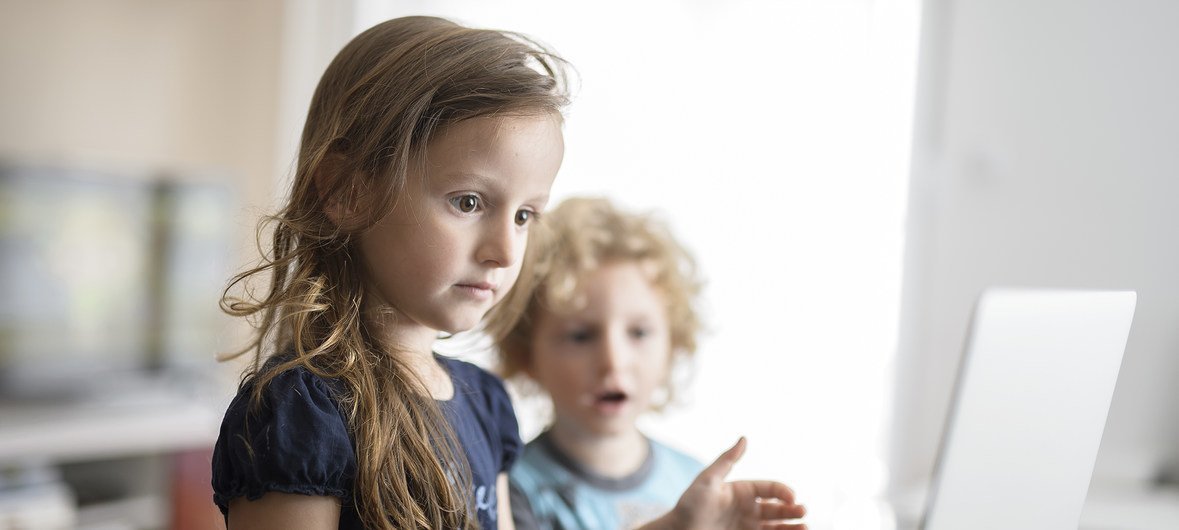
column 719, row 469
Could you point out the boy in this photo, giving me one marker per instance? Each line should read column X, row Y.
column 611, row 314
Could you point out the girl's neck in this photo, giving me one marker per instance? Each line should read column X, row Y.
column 414, row 345
column 612, row 455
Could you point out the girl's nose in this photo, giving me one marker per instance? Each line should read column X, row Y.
column 501, row 243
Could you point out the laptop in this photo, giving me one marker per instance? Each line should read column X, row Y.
column 1030, row 403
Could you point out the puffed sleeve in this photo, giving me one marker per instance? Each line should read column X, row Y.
column 297, row 441
column 505, row 420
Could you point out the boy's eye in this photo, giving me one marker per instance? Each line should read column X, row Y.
column 522, row 217
column 578, row 336
column 466, row 203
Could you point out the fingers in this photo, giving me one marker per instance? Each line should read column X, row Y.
column 719, row 469
column 773, row 510
column 782, row 525
column 769, row 489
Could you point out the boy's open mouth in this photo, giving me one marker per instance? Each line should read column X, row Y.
column 612, row 397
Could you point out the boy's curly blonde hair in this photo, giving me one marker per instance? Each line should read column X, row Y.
column 583, row 234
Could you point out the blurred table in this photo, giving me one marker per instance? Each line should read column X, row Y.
column 136, row 453
column 156, row 420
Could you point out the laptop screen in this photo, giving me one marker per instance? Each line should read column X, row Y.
column 1033, row 391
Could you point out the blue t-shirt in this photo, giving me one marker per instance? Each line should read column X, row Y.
column 299, row 441
column 551, row 491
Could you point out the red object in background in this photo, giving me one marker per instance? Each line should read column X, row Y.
column 192, row 492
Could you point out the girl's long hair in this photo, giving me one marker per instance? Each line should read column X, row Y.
column 373, row 113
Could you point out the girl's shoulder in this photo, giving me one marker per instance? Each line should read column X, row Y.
column 287, row 392
column 471, row 376
column 294, row 439
column 483, row 400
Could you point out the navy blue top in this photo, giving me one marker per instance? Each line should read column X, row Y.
column 299, row 441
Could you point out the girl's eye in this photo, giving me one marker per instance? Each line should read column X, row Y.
column 523, row 217
column 466, row 203
column 638, row 333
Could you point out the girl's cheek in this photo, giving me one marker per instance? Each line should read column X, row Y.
column 511, row 279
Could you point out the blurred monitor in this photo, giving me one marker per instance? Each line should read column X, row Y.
column 193, row 220
column 104, row 276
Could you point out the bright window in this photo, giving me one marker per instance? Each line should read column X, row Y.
column 774, row 137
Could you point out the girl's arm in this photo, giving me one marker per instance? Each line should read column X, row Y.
column 503, row 503
column 283, row 511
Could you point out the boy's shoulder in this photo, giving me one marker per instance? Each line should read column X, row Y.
column 538, row 465
column 559, row 492
column 672, row 460
column 542, row 465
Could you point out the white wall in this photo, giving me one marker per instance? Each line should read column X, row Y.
column 1046, row 154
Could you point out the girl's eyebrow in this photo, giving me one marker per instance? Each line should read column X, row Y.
column 486, row 182
column 467, row 177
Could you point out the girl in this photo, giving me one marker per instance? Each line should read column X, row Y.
column 428, row 152
column 610, row 315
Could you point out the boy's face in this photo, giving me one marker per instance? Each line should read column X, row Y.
column 601, row 363
column 452, row 246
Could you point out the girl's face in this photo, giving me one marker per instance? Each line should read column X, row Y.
column 452, row 246
column 601, row 363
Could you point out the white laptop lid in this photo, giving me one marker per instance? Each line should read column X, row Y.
column 1030, row 405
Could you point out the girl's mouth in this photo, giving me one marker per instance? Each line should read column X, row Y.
column 478, row 290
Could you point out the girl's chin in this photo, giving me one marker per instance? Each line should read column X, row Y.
column 459, row 323
column 454, row 329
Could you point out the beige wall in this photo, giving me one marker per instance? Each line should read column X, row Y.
column 144, row 86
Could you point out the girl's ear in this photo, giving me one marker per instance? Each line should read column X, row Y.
column 337, row 190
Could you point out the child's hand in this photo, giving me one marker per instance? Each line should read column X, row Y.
column 711, row 503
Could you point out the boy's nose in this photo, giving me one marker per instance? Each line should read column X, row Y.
column 613, row 353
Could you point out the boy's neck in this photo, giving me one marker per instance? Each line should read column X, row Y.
column 613, row 455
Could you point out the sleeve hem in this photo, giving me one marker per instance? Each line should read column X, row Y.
column 255, row 493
